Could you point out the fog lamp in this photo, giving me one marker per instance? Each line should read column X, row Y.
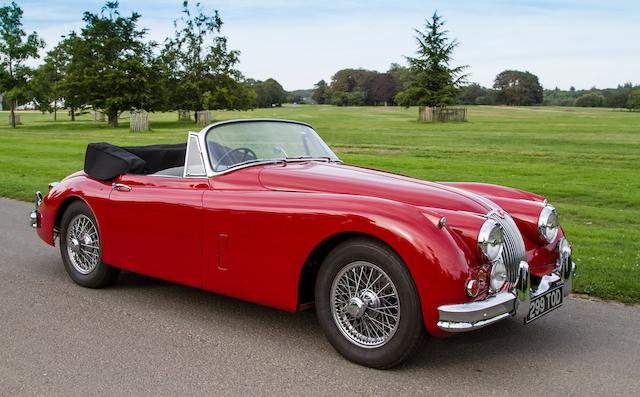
column 498, row 276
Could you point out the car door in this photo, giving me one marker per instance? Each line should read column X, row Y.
column 155, row 223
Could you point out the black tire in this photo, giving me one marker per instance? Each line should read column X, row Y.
column 101, row 274
column 409, row 333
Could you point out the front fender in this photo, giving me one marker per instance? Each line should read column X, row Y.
column 76, row 187
column 434, row 254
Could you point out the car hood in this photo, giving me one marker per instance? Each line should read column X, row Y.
column 345, row 179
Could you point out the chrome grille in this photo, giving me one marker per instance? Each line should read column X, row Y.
column 513, row 251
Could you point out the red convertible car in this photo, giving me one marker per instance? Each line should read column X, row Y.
column 263, row 210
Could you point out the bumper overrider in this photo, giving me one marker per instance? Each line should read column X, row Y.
column 34, row 217
column 515, row 303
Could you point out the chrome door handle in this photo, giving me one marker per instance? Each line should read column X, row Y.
column 121, row 187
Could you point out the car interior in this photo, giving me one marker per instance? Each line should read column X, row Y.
column 105, row 161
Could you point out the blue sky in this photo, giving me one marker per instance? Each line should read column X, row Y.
column 580, row 43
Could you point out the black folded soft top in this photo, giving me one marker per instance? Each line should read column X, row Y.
column 105, row 161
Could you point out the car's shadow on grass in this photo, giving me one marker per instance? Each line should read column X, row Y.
column 508, row 341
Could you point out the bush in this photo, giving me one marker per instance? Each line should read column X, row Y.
column 355, row 98
column 633, row 102
column 341, row 98
column 590, row 100
column 485, row 100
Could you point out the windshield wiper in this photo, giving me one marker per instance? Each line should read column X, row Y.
column 283, row 160
column 310, row 158
column 253, row 161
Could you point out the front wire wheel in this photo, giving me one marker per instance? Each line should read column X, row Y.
column 81, row 248
column 365, row 304
column 83, row 244
column 368, row 305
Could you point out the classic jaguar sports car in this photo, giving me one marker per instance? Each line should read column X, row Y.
column 263, row 210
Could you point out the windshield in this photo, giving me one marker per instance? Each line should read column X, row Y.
column 244, row 142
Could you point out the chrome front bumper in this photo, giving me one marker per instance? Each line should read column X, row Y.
column 473, row 315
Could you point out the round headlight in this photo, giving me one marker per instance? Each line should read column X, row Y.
column 498, row 275
column 491, row 239
column 548, row 224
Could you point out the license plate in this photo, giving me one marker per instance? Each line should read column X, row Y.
column 543, row 304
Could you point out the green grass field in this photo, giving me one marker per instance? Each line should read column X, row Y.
column 585, row 161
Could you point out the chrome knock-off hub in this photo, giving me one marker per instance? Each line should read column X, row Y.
column 75, row 245
column 358, row 305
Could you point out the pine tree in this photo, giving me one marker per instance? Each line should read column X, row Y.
column 431, row 80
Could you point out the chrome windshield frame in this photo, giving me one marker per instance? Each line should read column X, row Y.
column 202, row 140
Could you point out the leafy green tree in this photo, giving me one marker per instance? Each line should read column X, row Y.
column 518, row 88
column 339, row 98
column 110, row 63
column 381, row 89
column 320, row 92
column 558, row 97
column 230, row 94
column 356, row 98
column 591, row 100
column 200, row 69
column 41, row 89
column 633, row 103
column 617, row 98
column 269, row 93
column 16, row 47
column 73, row 88
column 355, row 87
column 470, row 94
column 348, row 80
column 47, row 81
column 432, row 80
column 401, row 75
column 300, row 96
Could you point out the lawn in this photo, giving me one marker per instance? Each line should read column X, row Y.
column 585, row 161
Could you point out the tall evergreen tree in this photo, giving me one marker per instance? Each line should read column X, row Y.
column 431, row 80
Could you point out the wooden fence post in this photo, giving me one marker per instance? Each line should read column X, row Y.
column 139, row 121
column 442, row 114
column 17, row 116
column 203, row 117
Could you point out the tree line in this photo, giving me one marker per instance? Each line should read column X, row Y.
column 108, row 65
column 430, row 80
column 355, row 87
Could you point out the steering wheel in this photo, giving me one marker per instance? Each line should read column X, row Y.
column 247, row 154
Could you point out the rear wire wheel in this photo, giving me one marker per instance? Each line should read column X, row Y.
column 367, row 304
